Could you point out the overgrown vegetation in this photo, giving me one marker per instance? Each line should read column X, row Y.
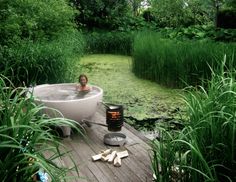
column 100, row 14
column 109, row 42
column 192, row 154
column 27, row 140
column 197, row 32
column 38, row 40
column 177, row 63
column 38, row 44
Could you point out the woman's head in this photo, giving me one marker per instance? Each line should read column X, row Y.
column 83, row 79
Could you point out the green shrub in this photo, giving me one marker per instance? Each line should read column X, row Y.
column 27, row 140
column 38, row 41
column 39, row 62
column 44, row 19
column 109, row 42
column 200, row 32
column 177, row 63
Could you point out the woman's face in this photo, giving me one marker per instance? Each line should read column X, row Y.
column 83, row 81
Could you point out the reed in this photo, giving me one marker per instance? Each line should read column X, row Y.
column 27, row 62
column 27, row 140
column 206, row 146
column 109, row 42
column 177, row 63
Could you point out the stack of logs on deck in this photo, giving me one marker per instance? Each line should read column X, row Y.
column 111, row 156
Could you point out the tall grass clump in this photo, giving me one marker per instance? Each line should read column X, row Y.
column 109, row 42
column 28, row 144
column 177, row 63
column 38, row 41
column 205, row 149
column 41, row 61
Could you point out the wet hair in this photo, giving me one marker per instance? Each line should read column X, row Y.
column 83, row 75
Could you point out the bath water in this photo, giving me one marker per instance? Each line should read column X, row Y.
column 64, row 93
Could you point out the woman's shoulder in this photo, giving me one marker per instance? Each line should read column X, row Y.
column 86, row 88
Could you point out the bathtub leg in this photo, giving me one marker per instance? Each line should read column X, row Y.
column 66, row 131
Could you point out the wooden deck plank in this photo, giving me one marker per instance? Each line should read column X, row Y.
column 134, row 144
column 118, row 173
column 132, row 159
column 135, row 168
column 139, row 152
column 102, row 173
column 84, row 173
column 85, row 164
column 124, row 171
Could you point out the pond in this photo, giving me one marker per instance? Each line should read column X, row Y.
column 142, row 99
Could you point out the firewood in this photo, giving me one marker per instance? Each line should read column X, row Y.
column 96, row 157
column 112, row 156
column 106, row 152
column 105, row 158
column 122, row 154
column 117, row 161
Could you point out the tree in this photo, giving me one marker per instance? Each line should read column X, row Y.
column 176, row 13
column 44, row 19
column 170, row 13
column 215, row 6
column 198, row 11
column 102, row 14
column 135, row 5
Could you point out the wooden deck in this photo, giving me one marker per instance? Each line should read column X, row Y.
column 136, row 167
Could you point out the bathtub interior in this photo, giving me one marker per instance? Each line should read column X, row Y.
column 63, row 93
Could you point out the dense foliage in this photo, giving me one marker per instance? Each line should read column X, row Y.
column 101, row 14
column 113, row 15
column 192, row 154
column 27, row 140
column 177, row 63
column 109, row 42
column 198, row 32
column 178, row 13
column 37, row 41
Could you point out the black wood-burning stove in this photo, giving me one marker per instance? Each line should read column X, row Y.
column 114, row 123
column 114, row 117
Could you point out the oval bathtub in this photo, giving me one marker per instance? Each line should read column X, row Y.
column 71, row 107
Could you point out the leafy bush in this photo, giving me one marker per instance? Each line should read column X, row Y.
column 27, row 140
column 38, row 41
column 100, row 13
column 200, row 32
column 109, row 42
column 28, row 62
column 46, row 19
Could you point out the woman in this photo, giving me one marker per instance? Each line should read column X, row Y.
column 83, row 87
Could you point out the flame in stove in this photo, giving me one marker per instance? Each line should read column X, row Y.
column 114, row 114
